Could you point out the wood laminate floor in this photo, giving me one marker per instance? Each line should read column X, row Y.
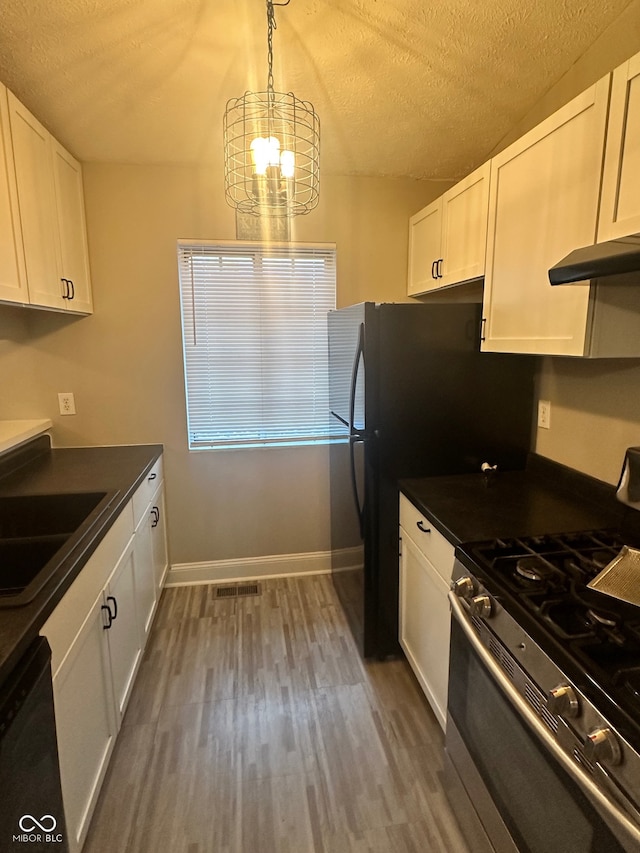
column 255, row 727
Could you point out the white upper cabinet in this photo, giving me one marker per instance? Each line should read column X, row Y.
column 51, row 215
column 72, row 229
column 13, row 278
column 425, row 235
column 32, row 156
column 544, row 195
column 464, row 228
column 620, row 205
column 447, row 239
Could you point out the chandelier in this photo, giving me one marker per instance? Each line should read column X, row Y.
column 271, row 148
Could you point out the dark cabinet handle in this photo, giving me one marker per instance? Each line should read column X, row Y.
column 114, row 615
column 439, row 263
column 152, row 476
column 433, row 270
column 155, row 512
column 69, row 289
column 483, row 324
column 110, row 617
column 420, row 526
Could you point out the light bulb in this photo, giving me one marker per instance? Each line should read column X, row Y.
column 260, row 155
column 273, row 147
column 265, row 151
column 288, row 164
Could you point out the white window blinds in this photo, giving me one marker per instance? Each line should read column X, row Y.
column 254, row 322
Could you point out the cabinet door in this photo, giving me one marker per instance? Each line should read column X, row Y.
column 620, row 205
column 13, row 276
column 465, row 210
column 543, row 203
column 85, row 722
column 145, row 576
column 32, row 157
column 425, row 624
column 425, row 232
column 123, row 633
column 74, row 253
column 159, row 539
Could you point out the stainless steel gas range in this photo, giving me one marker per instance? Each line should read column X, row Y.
column 543, row 728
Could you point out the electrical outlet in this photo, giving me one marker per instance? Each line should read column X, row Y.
column 544, row 414
column 66, row 403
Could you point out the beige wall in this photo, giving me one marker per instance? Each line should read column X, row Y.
column 595, row 413
column 124, row 363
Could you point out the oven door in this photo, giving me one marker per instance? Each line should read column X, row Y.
column 509, row 781
column 31, row 810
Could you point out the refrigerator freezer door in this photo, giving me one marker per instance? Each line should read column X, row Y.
column 344, row 341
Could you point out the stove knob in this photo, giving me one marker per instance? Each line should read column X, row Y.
column 464, row 587
column 602, row 745
column 480, row 605
column 562, row 700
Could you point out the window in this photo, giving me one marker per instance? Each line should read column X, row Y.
column 254, row 329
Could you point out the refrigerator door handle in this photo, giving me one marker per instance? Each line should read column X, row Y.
column 353, row 440
column 354, row 376
column 355, row 435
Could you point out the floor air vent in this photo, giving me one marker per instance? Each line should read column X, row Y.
column 238, row 590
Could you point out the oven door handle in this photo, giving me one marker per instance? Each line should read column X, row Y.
column 610, row 808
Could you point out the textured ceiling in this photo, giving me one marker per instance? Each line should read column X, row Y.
column 402, row 87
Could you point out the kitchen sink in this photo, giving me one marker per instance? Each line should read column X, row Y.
column 39, row 532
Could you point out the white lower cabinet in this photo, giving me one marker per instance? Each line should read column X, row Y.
column 95, row 646
column 151, row 547
column 97, row 635
column 85, row 722
column 122, row 627
column 426, row 563
column 145, row 587
column 159, row 538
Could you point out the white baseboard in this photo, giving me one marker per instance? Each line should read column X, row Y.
column 261, row 568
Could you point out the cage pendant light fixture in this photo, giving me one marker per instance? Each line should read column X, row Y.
column 271, row 148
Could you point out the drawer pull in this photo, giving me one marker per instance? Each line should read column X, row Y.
column 420, row 526
column 109, row 616
column 152, row 476
column 155, row 514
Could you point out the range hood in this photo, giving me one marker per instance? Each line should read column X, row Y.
column 599, row 261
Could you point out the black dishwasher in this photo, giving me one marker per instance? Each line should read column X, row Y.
column 31, row 810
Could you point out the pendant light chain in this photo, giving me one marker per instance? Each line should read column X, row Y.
column 271, row 26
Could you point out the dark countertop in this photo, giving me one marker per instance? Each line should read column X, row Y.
column 38, row 469
column 545, row 498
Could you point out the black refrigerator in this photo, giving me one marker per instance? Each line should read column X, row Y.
column 410, row 395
